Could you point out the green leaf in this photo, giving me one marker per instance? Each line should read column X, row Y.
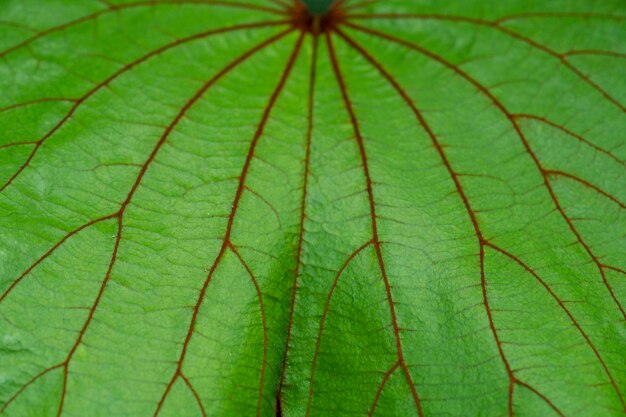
column 235, row 208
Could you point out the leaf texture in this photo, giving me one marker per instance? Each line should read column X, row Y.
column 233, row 208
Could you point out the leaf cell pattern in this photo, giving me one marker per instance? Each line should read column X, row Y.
column 399, row 208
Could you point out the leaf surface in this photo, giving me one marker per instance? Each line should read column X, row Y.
column 231, row 208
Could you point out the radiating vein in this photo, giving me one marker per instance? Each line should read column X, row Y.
column 139, row 4
column 461, row 192
column 471, row 212
column 226, row 241
column 123, row 70
column 119, row 215
column 550, row 398
column 375, row 238
column 151, row 157
column 509, row 116
column 562, row 58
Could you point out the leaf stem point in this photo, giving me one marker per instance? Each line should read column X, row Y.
column 316, row 24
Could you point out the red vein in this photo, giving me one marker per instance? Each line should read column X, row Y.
column 375, row 238
column 513, row 380
column 226, row 240
column 382, row 386
column 26, row 385
column 119, row 215
column 41, row 100
column 483, row 284
column 51, row 250
column 569, row 314
column 263, row 324
column 579, row 15
column 403, row 94
column 494, row 25
column 228, row 68
column 518, row 131
column 194, row 393
column 586, row 184
column 63, row 390
column 594, row 52
column 125, row 69
column 267, row 203
column 543, row 397
column 439, row 147
column 118, row 7
column 303, row 201
column 323, row 318
column 92, row 311
column 571, row 134
column 9, row 145
column 614, row 268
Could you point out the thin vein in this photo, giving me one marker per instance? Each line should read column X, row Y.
column 325, row 314
column 10, row 145
column 382, row 386
column 52, row 250
column 26, row 385
column 37, row 101
column 614, row 268
column 543, row 397
column 90, row 315
column 612, row 54
column 194, row 393
column 263, row 324
column 494, row 331
column 571, row 134
column 267, row 203
column 556, row 173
